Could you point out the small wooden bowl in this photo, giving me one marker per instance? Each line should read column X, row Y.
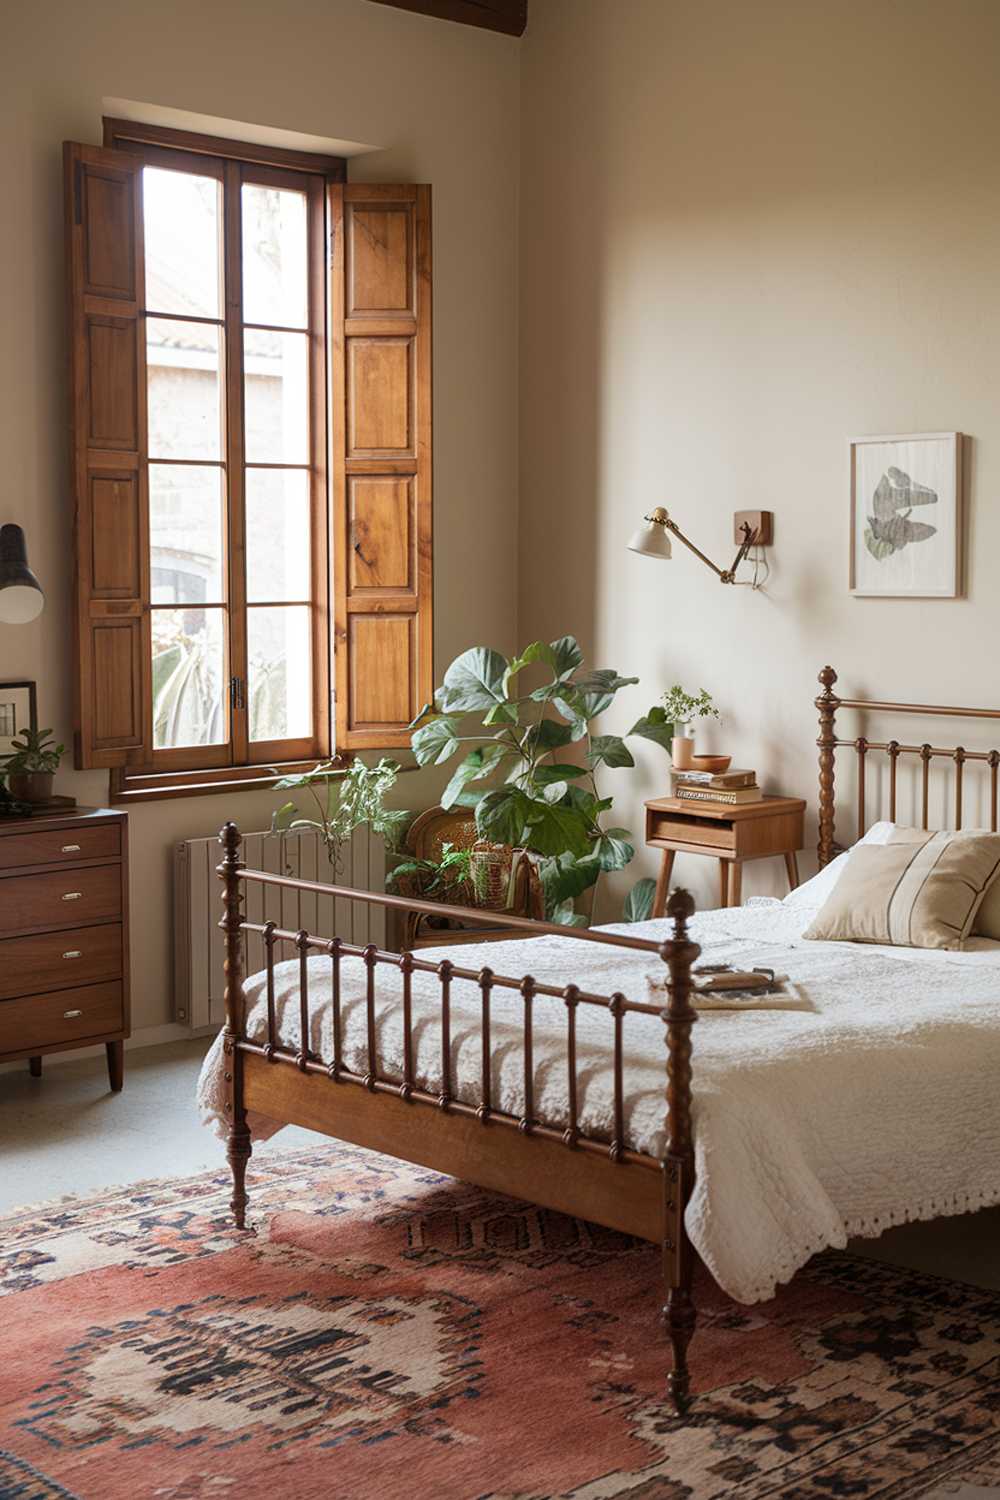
column 714, row 763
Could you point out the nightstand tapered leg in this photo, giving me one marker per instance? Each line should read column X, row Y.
column 663, row 883
column 736, row 883
column 792, row 866
column 723, row 882
column 35, row 1067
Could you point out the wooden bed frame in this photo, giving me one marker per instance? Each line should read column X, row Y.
column 606, row 1183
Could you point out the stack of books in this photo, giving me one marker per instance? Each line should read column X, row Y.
column 732, row 786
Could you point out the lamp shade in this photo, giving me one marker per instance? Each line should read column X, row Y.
column 21, row 597
column 651, row 540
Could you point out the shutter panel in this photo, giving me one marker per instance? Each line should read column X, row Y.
column 108, row 395
column 380, row 304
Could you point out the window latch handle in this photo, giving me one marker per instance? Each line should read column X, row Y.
column 237, row 693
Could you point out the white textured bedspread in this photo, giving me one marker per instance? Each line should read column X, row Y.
column 878, row 1107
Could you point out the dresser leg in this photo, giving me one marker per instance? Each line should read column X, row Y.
column 35, row 1067
column 116, row 1065
column 724, row 882
column 792, row 866
column 663, row 883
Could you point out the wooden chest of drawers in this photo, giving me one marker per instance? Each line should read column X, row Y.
column 64, row 957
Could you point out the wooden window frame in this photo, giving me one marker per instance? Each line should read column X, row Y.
column 190, row 771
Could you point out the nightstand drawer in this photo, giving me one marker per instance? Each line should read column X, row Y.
column 62, row 846
column 685, row 829
column 53, row 960
column 58, row 897
column 67, row 1016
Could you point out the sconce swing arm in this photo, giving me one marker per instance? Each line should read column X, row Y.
column 660, row 517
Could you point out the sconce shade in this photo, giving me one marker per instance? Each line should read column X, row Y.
column 21, row 597
column 651, row 540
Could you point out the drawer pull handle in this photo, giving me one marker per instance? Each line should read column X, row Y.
column 71, row 896
column 72, row 1015
column 73, row 953
column 71, row 848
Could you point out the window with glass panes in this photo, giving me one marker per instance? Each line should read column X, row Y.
column 251, row 418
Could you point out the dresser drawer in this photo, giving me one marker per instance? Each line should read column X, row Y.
column 68, row 1016
column 58, row 897
column 53, row 960
column 61, row 846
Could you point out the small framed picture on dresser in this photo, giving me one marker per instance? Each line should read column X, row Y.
column 18, row 712
column 906, row 516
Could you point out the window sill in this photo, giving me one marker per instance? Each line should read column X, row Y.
column 127, row 786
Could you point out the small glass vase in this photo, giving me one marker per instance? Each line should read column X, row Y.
column 682, row 747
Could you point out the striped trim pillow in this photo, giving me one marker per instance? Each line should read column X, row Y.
column 921, row 890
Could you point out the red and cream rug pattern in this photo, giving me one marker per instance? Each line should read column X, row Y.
column 390, row 1333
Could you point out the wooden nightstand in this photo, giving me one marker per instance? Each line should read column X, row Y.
column 730, row 834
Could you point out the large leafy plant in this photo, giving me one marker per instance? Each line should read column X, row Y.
column 531, row 758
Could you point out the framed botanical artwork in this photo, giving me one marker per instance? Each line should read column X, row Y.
column 18, row 711
column 906, row 515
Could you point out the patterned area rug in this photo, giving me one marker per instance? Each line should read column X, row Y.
column 389, row 1332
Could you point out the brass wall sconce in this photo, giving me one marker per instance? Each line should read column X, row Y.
column 753, row 528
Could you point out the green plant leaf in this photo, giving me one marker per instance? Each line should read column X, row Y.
column 613, row 849
column 552, row 830
column 655, row 726
column 555, row 791
column 474, row 681
column 435, row 742
column 501, row 815
column 609, row 750
column 562, row 657
column 600, row 680
column 566, row 916
column 558, row 772
column 564, row 877
column 502, row 713
column 476, row 765
column 639, row 901
column 587, row 804
column 547, row 735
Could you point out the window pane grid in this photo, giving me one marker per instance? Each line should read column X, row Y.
column 230, row 431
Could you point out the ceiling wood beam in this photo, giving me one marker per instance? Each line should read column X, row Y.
column 508, row 16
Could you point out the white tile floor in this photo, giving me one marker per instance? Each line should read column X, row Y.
column 66, row 1133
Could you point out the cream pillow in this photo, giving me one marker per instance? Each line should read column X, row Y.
column 921, row 890
column 987, row 923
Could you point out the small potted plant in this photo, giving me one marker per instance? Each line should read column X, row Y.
column 32, row 764
column 682, row 709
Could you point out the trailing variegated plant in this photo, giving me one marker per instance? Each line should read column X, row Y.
column 531, row 758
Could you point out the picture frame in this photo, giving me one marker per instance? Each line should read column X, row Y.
column 906, row 516
column 18, row 711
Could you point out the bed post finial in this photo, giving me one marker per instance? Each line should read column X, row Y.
column 827, row 703
column 679, row 953
column 238, row 1143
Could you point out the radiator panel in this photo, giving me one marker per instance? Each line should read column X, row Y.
column 198, row 939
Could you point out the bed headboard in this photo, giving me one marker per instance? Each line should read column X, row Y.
column 829, row 742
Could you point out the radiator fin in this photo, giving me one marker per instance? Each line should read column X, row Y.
column 198, row 940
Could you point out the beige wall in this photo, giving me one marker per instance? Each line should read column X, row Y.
column 442, row 102
column 749, row 229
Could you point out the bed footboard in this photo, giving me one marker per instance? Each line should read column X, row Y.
column 520, row 1155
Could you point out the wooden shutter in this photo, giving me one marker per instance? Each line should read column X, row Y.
column 380, row 304
column 108, row 394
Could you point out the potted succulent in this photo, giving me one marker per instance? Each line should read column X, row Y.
column 31, row 765
column 682, row 709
